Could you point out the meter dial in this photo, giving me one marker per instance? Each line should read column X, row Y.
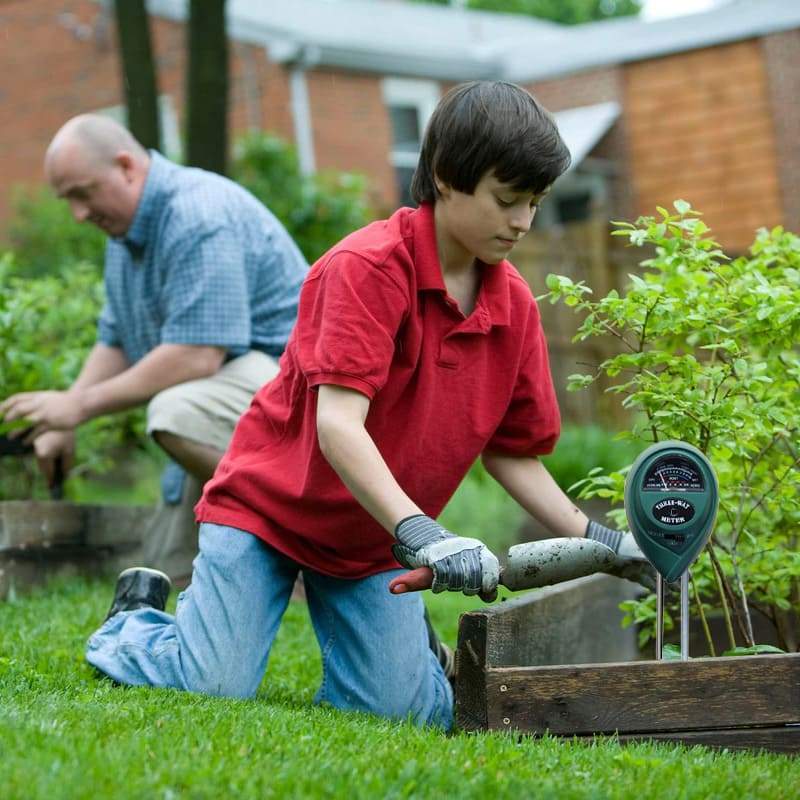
column 673, row 474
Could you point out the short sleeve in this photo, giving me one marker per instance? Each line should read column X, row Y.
column 350, row 313
column 532, row 423
column 107, row 329
column 205, row 298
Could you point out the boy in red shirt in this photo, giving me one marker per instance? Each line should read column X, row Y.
column 418, row 348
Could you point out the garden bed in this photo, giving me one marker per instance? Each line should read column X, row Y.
column 540, row 665
column 40, row 540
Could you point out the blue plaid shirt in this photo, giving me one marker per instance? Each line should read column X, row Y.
column 202, row 263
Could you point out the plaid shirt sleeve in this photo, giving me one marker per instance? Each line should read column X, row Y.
column 107, row 328
column 205, row 297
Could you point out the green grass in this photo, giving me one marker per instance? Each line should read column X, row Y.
column 65, row 733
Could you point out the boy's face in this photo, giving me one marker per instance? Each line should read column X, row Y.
column 490, row 221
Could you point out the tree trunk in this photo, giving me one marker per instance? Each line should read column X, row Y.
column 138, row 71
column 207, row 90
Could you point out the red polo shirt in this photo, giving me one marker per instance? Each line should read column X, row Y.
column 375, row 316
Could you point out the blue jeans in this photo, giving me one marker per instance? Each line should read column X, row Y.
column 375, row 654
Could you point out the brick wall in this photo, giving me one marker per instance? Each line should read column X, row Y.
column 586, row 89
column 352, row 130
column 59, row 59
column 700, row 127
column 782, row 58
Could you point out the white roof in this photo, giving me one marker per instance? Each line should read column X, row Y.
column 448, row 43
column 582, row 128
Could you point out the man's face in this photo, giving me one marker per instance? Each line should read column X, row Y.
column 491, row 220
column 104, row 194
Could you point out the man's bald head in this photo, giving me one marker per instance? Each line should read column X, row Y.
column 98, row 167
column 98, row 139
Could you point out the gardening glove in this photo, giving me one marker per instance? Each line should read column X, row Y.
column 630, row 563
column 459, row 564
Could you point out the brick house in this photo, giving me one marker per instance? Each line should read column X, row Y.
column 703, row 108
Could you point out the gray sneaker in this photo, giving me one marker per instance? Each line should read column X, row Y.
column 140, row 587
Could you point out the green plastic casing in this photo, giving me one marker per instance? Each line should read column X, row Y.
column 672, row 547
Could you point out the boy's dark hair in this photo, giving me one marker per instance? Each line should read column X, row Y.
column 489, row 125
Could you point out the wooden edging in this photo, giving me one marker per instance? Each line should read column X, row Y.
column 647, row 696
column 42, row 540
column 530, row 665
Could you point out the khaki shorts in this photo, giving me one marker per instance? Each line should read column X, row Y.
column 207, row 410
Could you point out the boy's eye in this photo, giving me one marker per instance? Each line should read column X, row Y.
column 505, row 203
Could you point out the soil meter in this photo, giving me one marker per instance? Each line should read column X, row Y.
column 671, row 498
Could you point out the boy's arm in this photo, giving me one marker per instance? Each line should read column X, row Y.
column 457, row 563
column 527, row 480
column 350, row 450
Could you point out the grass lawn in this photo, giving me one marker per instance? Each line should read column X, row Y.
column 65, row 733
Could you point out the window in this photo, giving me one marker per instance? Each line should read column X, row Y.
column 410, row 104
column 577, row 196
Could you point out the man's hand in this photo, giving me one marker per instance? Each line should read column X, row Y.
column 459, row 564
column 630, row 563
column 51, row 446
column 47, row 411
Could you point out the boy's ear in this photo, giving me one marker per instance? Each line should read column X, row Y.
column 441, row 187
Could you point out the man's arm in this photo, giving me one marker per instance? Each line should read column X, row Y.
column 164, row 366
column 527, row 480
column 102, row 363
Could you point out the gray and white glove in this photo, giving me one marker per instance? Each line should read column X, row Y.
column 459, row 564
column 630, row 562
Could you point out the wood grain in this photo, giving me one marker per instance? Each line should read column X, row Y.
column 646, row 696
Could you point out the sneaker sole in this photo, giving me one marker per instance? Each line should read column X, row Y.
column 156, row 572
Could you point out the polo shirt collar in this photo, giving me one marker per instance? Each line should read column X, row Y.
column 494, row 294
column 149, row 208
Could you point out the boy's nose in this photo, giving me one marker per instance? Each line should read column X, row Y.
column 521, row 219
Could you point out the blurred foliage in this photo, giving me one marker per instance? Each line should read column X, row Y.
column 583, row 448
column 44, row 237
column 566, row 12
column 317, row 210
column 708, row 354
column 47, row 327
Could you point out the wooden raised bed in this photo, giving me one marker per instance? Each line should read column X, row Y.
column 40, row 540
column 540, row 664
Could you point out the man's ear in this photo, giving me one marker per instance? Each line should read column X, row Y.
column 127, row 163
column 441, row 187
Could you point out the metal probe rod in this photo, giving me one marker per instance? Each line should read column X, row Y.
column 659, row 617
column 685, row 616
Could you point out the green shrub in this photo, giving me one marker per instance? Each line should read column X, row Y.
column 317, row 210
column 709, row 355
column 46, row 239
column 47, row 327
column 583, row 448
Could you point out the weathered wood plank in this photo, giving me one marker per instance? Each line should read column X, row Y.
column 575, row 622
column 646, row 696
column 783, row 739
column 470, row 693
column 116, row 526
column 25, row 524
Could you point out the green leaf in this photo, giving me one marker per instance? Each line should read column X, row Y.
column 755, row 650
column 671, row 652
column 682, row 207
